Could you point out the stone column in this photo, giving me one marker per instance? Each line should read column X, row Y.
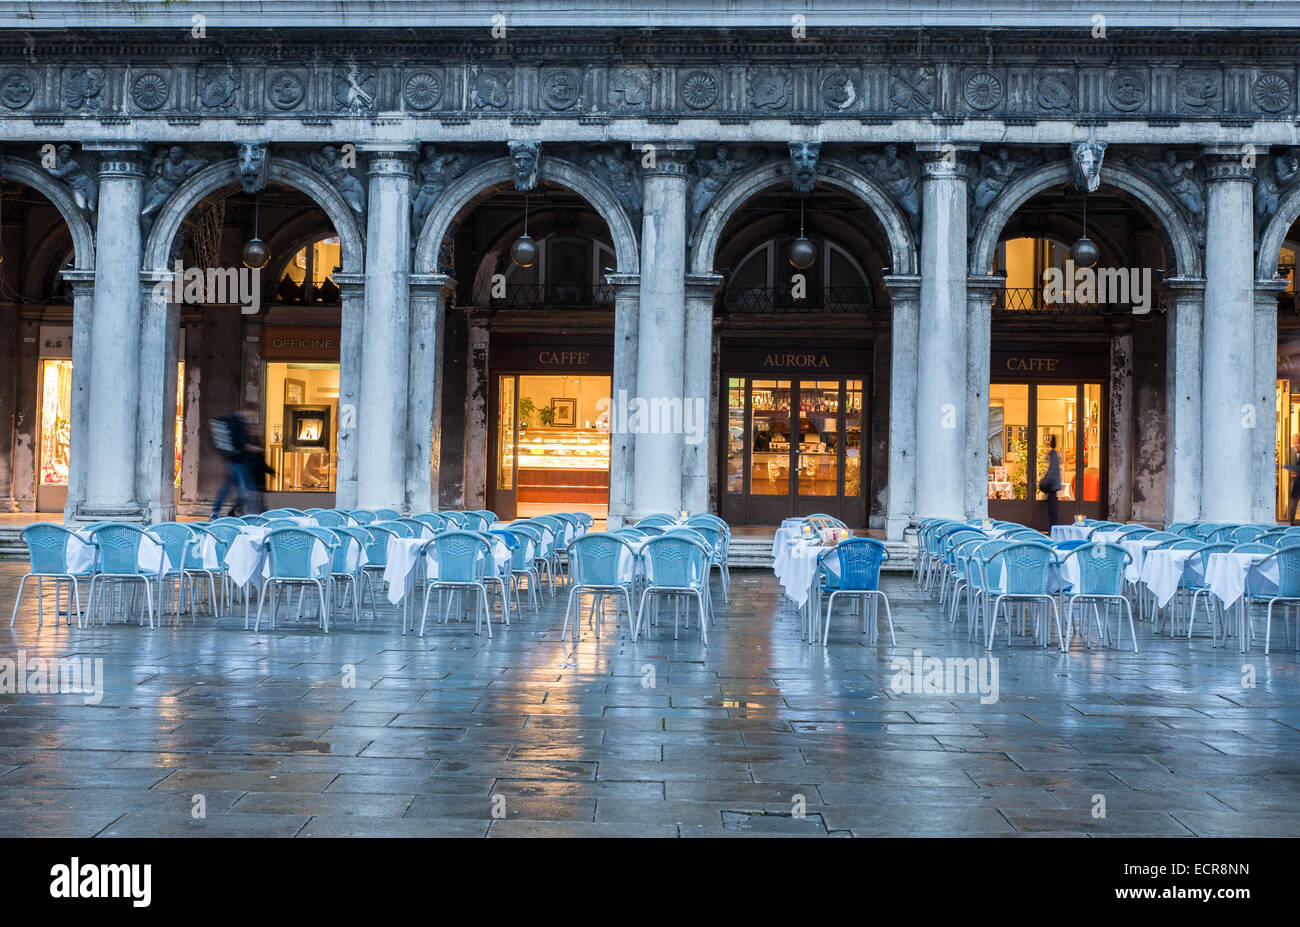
column 155, row 463
column 661, row 335
column 1229, row 417
column 901, row 505
column 113, row 390
column 83, row 310
column 1267, row 472
column 10, row 393
column 352, row 295
column 385, row 338
column 475, row 457
column 979, row 326
column 698, row 378
column 622, row 387
column 429, row 294
column 941, row 344
column 1119, row 430
column 1183, row 401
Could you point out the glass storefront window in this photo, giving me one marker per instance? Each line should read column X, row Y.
column 819, row 407
column 853, row 438
column 1058, row 418
column 563, row 444
column 1008, row 441
column 1091, row 442
column 301, row 416
column 307, row 277
column 735, row 434
column 770, row 461
column 506, row 435
column 56, row 425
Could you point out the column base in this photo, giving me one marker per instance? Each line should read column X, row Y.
column 896, row 527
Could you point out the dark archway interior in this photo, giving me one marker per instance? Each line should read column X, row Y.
column 35, row 245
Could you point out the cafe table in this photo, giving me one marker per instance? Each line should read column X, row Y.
column 1071, row 532
column 1227, row 574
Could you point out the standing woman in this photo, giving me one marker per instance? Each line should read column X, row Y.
column 1050, row 484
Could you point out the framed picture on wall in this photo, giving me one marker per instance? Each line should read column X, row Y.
column 566, row 412
column 295, row 392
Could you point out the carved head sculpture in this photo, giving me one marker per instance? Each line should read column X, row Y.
column 803, row 165
column 1086, row 165
column 891, row 153
column 524, row 158
column 64, row 153
column 252, row 166
column 721, row 153
column 176, row 154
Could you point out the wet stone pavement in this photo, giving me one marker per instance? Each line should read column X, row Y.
column 759, row 734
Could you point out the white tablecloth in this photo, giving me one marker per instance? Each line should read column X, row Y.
column 81, row 553
column 247, row 560
column 1071, row 532
column 1138, row 551
column 798, row 568
column 1226, row 575
column 404, row 553
column 1163, row 570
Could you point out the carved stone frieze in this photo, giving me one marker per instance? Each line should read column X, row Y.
column 991, row 171
column 713, row 168
column 897, row 172
column 78, row 172
column 169, row 167
column 433, row 173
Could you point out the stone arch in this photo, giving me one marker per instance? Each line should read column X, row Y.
column 462, row 191
column 1187, row 253
column 224, row 173
column 1275, row 232
column 83, row 236
column 898, row 233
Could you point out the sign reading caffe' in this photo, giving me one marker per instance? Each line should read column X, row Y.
column 1028, row 361
column 511, row 352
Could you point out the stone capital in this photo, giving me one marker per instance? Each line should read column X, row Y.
column 1229, row 162
column 703, row 286
column 624, row 284
column 395, row 159
column 902, row 286
column 670, row 158
column 119, row 159
column 945, row 160
column 438, row 285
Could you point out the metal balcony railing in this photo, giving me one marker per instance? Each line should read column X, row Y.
column 816, row 299
column 555, row 296
column 1031, row 300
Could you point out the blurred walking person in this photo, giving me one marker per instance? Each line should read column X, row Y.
column 231, row 438
column 1050, row 484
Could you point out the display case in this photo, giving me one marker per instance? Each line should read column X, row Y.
column 559, row 462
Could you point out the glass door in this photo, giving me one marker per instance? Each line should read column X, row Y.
column 793, row 447
column 506, row 476
column 1025, row 419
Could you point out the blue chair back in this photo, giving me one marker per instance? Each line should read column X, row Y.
column 530, row 546
column 594, row 558
column 1025, row 565
column 363, row 516
column 118, row 547
column 398, row 528
column 387, row 514
column 433, row 520
column 676, row 561
column 1288, row 573
column 860, row 560
column 256, row 520
column 658, row 520
column 377, row 549
column 47, row 547
column 1101, row 568
column 291, row 552
column 176, row 539
column 328, row 519
column 462, row 556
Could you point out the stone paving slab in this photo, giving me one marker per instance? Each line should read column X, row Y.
column 759, row 735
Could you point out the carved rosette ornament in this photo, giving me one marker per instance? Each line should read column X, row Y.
column 1272, row 92
column 982, row 90
column 149, row 91
column 422, row 91
column 699, row 90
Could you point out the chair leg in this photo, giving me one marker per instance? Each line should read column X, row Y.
column 22, row 582
column 564, row 630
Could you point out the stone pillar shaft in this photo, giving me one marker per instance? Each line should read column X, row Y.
column 385, row 337
column 941, row 343
column 428, row 304
column 1183, row 415
column 1229, row 418
column 697, row 378
column 979, row 327
column 627, row 298
column 1267, row 471
column 113, row 391
column 661, row 340
column 901, row 505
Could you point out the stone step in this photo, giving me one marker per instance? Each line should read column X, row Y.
column 755, row 553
